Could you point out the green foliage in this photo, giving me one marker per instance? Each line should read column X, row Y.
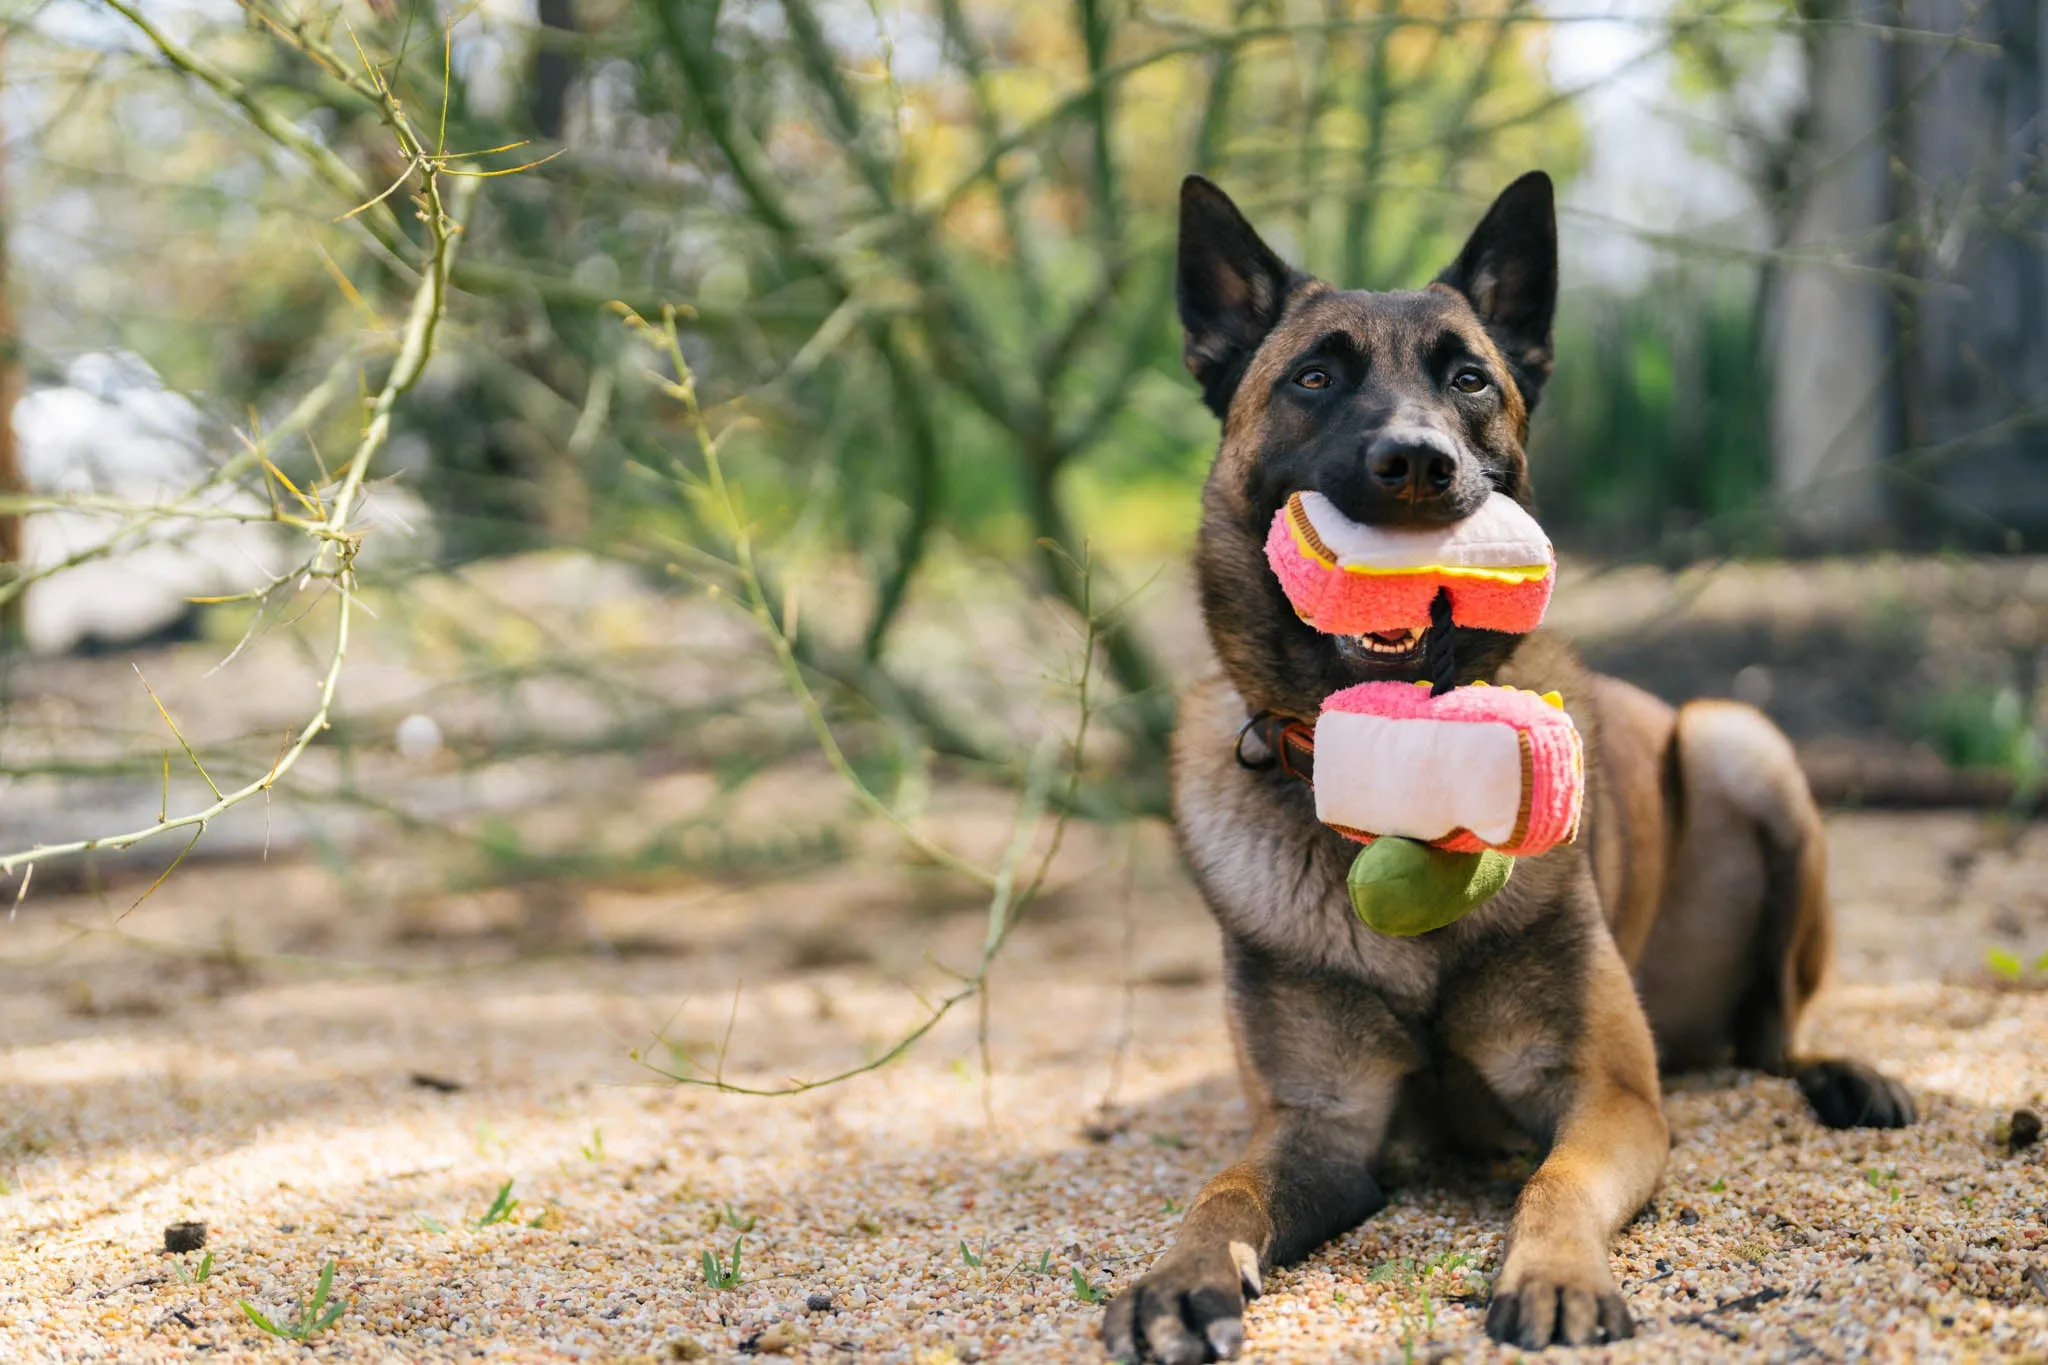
column 1084, row 1289
column 941, row 300
column 930, row 310
column 194, row 1274
column 1980, row 725
column 501, row 1210
column 2006, row 963
column 700, row 844
column 1653, row 434
column 312, row 1317
column 2010, row 966
column 720, row 1274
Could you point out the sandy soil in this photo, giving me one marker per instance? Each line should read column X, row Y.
column 277, row 1051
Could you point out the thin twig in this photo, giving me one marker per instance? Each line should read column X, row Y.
column 1006, row 900
column 414, row 349
column 756, row 602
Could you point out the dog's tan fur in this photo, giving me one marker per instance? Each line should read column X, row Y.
column 1699, row 878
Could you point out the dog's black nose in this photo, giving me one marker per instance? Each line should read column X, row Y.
column 1408, row 476
column 1411, row 467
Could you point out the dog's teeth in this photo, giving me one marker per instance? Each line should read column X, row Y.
column 1390, row 642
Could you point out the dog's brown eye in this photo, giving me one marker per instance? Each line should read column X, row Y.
column 1313, row 379
column 1469, row 380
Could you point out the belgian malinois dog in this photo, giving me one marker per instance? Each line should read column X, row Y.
column 1689, row 923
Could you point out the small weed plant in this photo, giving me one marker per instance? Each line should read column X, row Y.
column 720, row 1274
column 2010, row 967
column 501, row 1210
column 314, row 1316
column 1414, row 1284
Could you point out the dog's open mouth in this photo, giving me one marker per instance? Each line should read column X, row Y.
column 1385, row 646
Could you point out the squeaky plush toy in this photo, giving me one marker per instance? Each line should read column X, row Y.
column 1348, row 579
column 1445, row 786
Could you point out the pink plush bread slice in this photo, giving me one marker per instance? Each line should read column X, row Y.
column 1478, row 767
column 1345, row 578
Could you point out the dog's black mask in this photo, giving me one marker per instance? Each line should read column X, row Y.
column 1406, row 408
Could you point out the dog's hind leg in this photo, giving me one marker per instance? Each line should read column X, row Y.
column 1750, row 836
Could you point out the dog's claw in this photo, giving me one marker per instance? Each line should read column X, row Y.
column 1616, row 1322
column 1187, row 1309
column 1539, row 1311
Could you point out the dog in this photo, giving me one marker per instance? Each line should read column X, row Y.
column 1688, row 923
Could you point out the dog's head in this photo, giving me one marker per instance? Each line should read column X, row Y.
column 1401, row 408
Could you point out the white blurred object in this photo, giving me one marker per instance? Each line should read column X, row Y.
column 418, row 738
column 113, row 429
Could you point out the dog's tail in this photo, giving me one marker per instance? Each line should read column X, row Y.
column 1794, row 933
column 1758, row 770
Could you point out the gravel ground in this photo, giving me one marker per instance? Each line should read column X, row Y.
column 213, row 1057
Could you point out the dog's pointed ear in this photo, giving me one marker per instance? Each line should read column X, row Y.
column 1231, row 289
column 1508, row 272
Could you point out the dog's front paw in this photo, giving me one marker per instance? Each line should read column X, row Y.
column 1537, row 1305
column 1186, row 1309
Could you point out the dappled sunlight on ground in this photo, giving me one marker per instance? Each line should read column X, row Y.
column 299, row 1107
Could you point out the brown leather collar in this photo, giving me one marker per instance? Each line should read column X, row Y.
column 1289, row 744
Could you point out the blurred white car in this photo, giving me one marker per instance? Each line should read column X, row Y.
column 113, row 430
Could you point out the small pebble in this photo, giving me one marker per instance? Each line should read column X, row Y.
column 819, row 1303
column 779, row 1339
column 684, row 1348
column 186, row 1236
column 1687, row 1217
column 2024, row 1130
column 439, row 1084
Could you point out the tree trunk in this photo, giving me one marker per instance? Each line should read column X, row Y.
column 13, row 552
column 1975, row 341
column 1832, row 405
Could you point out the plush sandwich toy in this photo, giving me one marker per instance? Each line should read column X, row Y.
column 1445, row 786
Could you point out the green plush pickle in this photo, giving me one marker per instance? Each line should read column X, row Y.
column 1399, row 886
